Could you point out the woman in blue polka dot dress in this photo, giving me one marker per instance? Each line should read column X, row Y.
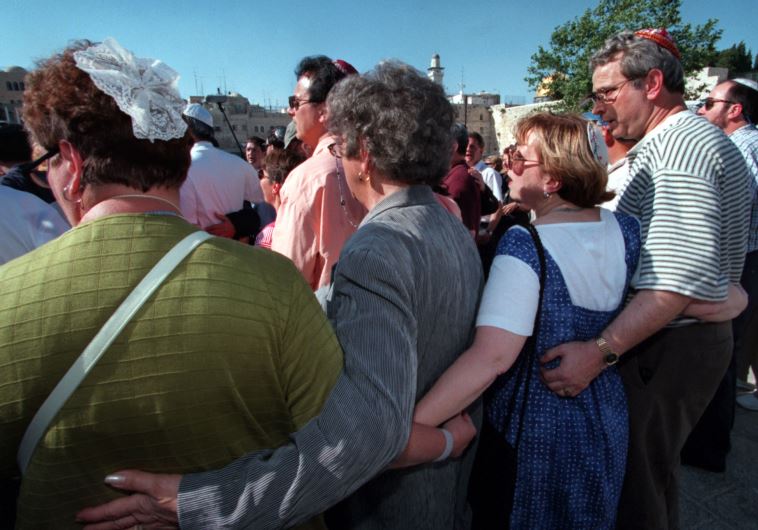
column 572, row 449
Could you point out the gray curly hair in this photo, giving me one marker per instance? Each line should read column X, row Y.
column 401, row 118
column 638, row 57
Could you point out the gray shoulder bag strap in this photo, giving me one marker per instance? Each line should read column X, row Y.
column 101, row 342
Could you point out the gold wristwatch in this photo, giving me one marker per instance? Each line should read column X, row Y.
column 609, row 357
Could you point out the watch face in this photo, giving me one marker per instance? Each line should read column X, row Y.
column 611, row 359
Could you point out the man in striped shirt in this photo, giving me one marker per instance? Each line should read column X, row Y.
column 689, row 188
column 733, row 107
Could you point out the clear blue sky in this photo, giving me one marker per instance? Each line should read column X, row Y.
column 254, row 46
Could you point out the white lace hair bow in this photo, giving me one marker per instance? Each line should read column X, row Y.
column 144, row 89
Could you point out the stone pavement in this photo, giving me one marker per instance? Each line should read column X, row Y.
column 720, row 501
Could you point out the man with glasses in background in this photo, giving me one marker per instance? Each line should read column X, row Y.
column 688, row 186
column 317, row 213
column 732, row 106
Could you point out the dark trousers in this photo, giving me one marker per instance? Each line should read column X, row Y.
column 709, row 444
column 744, row 327
column 669, row 380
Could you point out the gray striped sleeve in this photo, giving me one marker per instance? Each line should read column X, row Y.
column 365, row 422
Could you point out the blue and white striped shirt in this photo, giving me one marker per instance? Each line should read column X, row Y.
column 746, row 140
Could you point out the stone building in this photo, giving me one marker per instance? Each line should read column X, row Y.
column 472, row 110
column 698, row 85
column 506, row 116
column 475, row 112
column 246, row 120
column 11, row 94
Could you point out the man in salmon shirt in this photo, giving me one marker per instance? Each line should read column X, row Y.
column 317, row 213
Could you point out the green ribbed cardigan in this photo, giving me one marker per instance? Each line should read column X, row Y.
column 230, row 355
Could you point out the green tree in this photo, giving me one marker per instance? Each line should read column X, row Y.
column 566, row 60
column 736, row 58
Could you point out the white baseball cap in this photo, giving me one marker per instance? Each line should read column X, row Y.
column 200, row 113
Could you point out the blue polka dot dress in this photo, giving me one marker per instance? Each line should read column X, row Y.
column 572, row 453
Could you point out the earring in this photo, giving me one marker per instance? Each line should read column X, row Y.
column 66, row 192
column 360, row 176
column 546, row 194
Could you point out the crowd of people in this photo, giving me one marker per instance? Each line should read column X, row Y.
column 366, row 323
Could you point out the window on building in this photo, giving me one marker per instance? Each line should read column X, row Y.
column 9, row 85
column 22, row 85
column 15, row 85
column 481, row 117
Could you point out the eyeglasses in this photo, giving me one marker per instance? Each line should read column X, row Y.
column 31, row 166
column 295, row 103
column 335, row 150
column 708, row 103
column 518, row 163
column 603, row 95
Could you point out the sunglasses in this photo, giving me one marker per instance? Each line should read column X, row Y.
column 518, row 163
column 708, row 103
column 28, row 167
column 296, row 103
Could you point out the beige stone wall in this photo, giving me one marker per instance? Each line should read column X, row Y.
column 479, row 118
column 505, row 117
column 699, row 85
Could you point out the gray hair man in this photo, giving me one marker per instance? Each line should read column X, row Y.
column 688, row 186
column 733, row 107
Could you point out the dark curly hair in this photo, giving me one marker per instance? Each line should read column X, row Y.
column 62, row 103
column 400, row 117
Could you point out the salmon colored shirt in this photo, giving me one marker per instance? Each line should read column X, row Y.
column 312, row 223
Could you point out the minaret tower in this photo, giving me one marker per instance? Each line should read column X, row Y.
column 435, row 71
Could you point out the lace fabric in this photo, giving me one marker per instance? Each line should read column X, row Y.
column 597, row 143
column 144, row 89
